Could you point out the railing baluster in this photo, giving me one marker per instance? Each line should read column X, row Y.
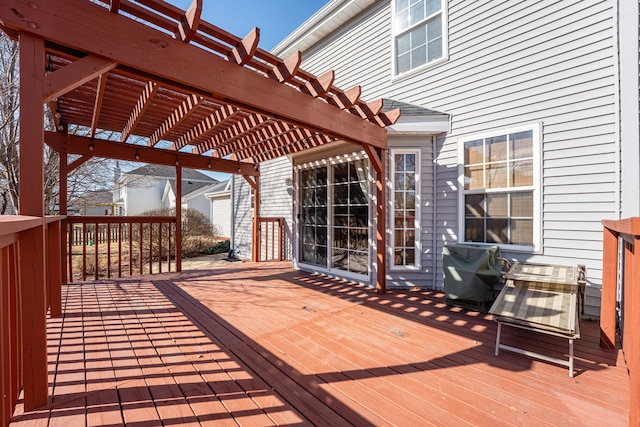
column 108, row 250
column 84, row 251
column 95, row 244
column 119, row 249
column 160, row 247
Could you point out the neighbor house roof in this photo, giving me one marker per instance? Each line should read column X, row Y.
column 169, row 172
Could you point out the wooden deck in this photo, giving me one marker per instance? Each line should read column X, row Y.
column 264, row 345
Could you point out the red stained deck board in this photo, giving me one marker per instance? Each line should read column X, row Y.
column 268, row 345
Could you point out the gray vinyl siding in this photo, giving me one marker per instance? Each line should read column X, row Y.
column 242, row 217
column 510, row 63
column 276, row 200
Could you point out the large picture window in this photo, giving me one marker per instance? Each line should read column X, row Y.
column 419, row 28
column 500, row 188
column 405, row 206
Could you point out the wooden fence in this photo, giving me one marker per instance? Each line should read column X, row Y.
column 625, row 233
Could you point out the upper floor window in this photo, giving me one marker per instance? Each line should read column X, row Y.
column 500, row 189
column 418, row 29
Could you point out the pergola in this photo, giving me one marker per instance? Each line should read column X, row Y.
column 175, row 90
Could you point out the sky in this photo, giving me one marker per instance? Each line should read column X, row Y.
column 275, row 18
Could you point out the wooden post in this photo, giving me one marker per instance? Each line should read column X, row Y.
column 255, row 246
column 632, row 328
column 377, row 159
column 63, row 210
column 55, row 260
column 609, row 289
column 32, row 254
column 178, row 218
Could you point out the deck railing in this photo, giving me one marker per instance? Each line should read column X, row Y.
column 271, row 239
column 627, row 233
column 113, row 246
column 23, row 362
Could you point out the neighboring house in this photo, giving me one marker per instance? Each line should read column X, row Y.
column 94, row 202
column 509, row 134
column 220, row 205
column 153, row 187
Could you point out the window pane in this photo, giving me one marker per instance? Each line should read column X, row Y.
column 473, row 178
column 411, row 200
column 473, row 152
column 522, row 173
column 402, row 4
column 497, row 148
column 410, row 238
column 433, row 6
column 497, row 205
column 410, row 256
column 521, row 144
column 403, row 44
column 474, row 230
column 522, row 205
column 417, row 12
column 410, row 183
column 399, row 201
column 340, row 259
column 434, row 50
column 497, row 231
column 398, row 257
column 474, row 205
column 522, row 232
column 410, row 162
column 399, row 162
column 358, row 262
column 419, row 56
column 496, row 175
column 434, row 28
column 400, row 181
column 357, row 194
column 402, row 19
column 398, row 238
column 340, row 194
column 404, row 63
column 418, row 37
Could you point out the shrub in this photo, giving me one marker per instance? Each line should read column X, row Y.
column 221, row 247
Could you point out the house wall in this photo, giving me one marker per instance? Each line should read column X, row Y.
column 144, row 195
column 201, row 204
column 276, row 200
column 509, row 64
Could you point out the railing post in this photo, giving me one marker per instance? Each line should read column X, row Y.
column 609, row 289
column 632, row 326
column 54, row 276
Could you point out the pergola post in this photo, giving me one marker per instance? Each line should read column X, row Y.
column 377, row 158
column 254, row 182
column 178, row 218
column 63, row 210
column 32, row 243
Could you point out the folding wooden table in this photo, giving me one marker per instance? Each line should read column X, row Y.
column 541, row 298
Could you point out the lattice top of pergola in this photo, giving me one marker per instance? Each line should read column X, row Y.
column 158, row 78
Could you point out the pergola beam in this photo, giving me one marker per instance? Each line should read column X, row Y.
column 246, row 48
column 80, row 25
column 75, row 75
column 73, row 144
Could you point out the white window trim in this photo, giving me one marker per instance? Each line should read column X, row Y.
column 536, row 128
column 395, row 76
column 391, row 198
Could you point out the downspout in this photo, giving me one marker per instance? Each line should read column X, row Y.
column 434, row 221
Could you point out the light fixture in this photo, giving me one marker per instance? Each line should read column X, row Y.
column 91, row 146
column 177, row 161
column 239, row 170
column 209, row 164
column 137, row 155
